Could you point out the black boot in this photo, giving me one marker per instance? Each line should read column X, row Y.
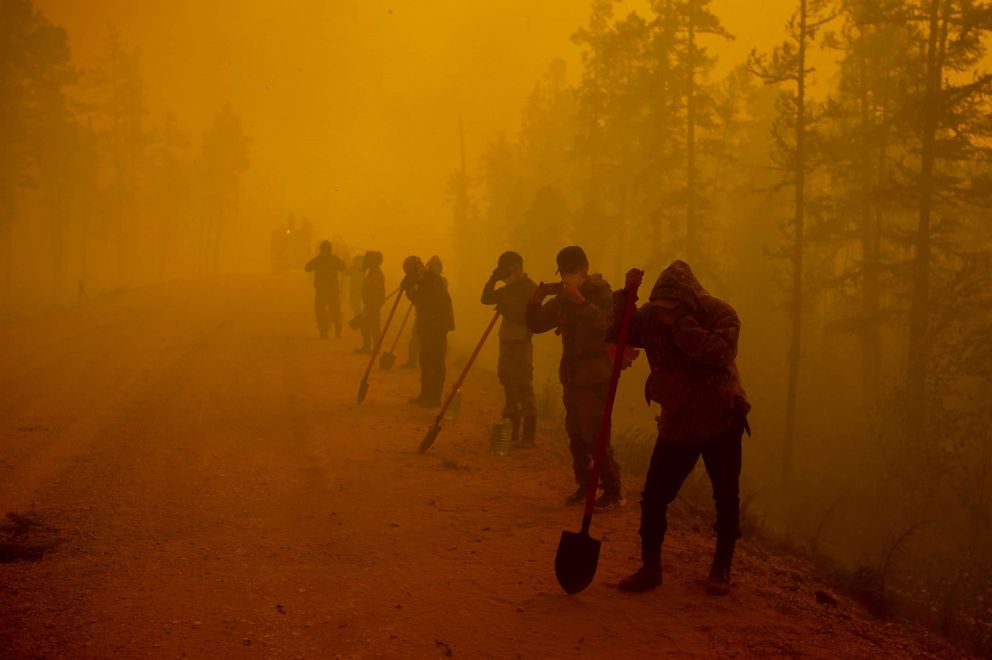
column 610, row 499
column 515, row 433
column 648, row 576
column 718, row 583
column 527, row 439
column 578, row 497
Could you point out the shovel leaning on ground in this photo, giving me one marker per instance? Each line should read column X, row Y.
column 363, row 388
column 388, row 358
column 435, row 428
column 578, row 553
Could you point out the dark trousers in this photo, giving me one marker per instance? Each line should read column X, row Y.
column 413, row 349
column 327, row 307
column 671, row 463
column 371, row 327
column 433, row 349
column 583, row 412
column 516, row 373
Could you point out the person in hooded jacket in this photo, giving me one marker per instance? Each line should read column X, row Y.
column 428, row 291
column 580, row 313
column 690, row 338
column 327, row 297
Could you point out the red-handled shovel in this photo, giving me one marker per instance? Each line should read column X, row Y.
column 578, row 553
column 363, row 387
column 435, row 428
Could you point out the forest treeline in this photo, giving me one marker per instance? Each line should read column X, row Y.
column 116, row 194
column 845, row 212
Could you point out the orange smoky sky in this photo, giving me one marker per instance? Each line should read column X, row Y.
column 353, row 107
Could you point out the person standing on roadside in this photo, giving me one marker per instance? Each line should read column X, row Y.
column 690, row 338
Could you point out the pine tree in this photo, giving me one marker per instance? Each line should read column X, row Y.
column 792, row 152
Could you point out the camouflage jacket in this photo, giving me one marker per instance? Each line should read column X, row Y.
column 511, row 302
column 584, row 357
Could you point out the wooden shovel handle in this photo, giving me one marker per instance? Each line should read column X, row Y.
column 382, row 336
column 392, row 349
column 464, row 373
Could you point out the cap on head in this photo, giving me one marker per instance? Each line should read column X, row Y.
column 509, row 259
column 325, row 246
column 571, row 259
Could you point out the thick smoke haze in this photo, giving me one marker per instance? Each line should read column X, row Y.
column 168, row 168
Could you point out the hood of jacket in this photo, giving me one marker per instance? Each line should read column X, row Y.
column 678, row 282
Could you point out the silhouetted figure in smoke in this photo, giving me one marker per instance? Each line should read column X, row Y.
column 327, row 297
column 516, row 350
column 435, row 265
column 580, row 312
column 356, row 281
column 428, row 291
column 691, row 342
column 373, row 298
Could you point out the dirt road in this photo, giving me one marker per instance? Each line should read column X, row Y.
column 187, row 476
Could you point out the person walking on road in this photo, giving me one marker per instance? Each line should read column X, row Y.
column 327, row 297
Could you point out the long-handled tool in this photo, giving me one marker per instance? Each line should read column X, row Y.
column 356, row 322
column 435, row 428
column 578, row 553
column 363, row 388
column 388, row 358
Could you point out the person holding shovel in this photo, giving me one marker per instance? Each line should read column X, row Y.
column 373, row 298
column 428, row 291
column 515, row 366
column 580, row 312
column 690, row 338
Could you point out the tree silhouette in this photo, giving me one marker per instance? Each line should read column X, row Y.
column 788, row 64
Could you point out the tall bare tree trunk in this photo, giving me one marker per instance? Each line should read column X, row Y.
column 797, row 256
column 871, row 217
column 919, row 306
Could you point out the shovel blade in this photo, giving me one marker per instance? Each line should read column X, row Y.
column 576, row 561
column 386, row 361
column 363, row 390
column 429, row 438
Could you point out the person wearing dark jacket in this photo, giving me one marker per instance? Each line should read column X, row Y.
column 373, row 298
column 428, row 291
column 515, row 367
column 327, row 297
column 580, row 313
column 690, row 338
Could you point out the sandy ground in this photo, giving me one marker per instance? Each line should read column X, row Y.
column 187, row 475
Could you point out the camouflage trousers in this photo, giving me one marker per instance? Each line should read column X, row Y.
column 516, row 374
column 583, row 412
